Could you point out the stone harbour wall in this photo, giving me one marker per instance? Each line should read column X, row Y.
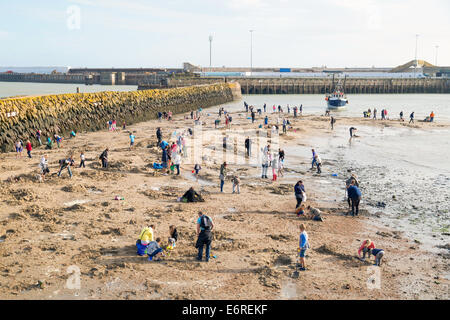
column 21, row 117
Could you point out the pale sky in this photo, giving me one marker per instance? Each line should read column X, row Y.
column 166, row 33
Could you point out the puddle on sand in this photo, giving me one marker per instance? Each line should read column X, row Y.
column 200, row 181
column 74, row 202
column 94, row 191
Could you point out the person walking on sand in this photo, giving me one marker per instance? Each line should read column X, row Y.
column 58, row 140
column 177, row 162
column 303, row 246
column 375, row 113
column 265, row 162
column 365, row 248
column 300, row 194
column 38, row 137
column 18, row 147
column 355, row 197
column 82, row 160
column 43, row 166
column 411, row 117
column 236, row 184
column 332, row 122
column 313, row 158
column 205, row 226
column 159, row 135
column 351, row 131
column 104, row 158
column 275, row 166
column 264, row 108
column 248, row 147
column 431, row 116
column 197, row 169
column 318, row 164
column 280, row 167
column 132, row 137
column 29, row 148
column 348, row 183
column 223, row 175
column 165, row 158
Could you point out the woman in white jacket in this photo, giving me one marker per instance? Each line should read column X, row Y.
column 177, row 162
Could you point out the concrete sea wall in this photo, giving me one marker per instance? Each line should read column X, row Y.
column 21, row 117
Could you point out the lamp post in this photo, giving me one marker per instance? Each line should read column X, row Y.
column 435, row 61
column 210, row 46
column 251, row 52
column 415, row 57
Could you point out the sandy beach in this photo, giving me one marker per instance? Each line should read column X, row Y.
column 50, row 229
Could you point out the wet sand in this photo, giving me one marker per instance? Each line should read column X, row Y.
column 48, row 227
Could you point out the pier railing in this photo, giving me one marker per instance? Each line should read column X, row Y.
column 323, row 86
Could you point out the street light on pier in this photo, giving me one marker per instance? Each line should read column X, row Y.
column 210, row 46
column 415, row 57
column 251, row 52
column 435, row 61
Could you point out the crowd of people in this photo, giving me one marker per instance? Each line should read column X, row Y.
column 384, row 115
column 172, row 153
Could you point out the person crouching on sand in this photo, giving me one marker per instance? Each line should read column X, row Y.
column 365, row 247
column 154, row 250
column 378, row 254
column 145, row 237
column 315, row 214
column 303, row 246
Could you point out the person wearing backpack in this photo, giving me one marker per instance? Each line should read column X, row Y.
column 204, row 228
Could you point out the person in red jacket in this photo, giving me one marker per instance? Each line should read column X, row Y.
column 29, row 148
column 366, row 246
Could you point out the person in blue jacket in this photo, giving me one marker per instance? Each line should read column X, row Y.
column 354, row 195
column 303, row 246
column 378, row 253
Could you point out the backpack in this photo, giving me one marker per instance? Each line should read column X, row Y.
column 205, row 223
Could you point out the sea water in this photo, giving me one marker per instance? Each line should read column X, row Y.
column 406, row 169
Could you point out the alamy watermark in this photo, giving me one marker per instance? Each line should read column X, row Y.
column 374, row 280
column 73, row 21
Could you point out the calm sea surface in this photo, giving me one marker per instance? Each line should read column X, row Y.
column 9, row 89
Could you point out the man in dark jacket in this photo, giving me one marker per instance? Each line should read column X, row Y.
column 248, row 146
column 159, row 135
column 354, row 195
column 192, row 196
column 299, row 191
column 104, row 158
column 204, row 228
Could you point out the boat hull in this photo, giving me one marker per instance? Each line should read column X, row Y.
column 337, row 103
